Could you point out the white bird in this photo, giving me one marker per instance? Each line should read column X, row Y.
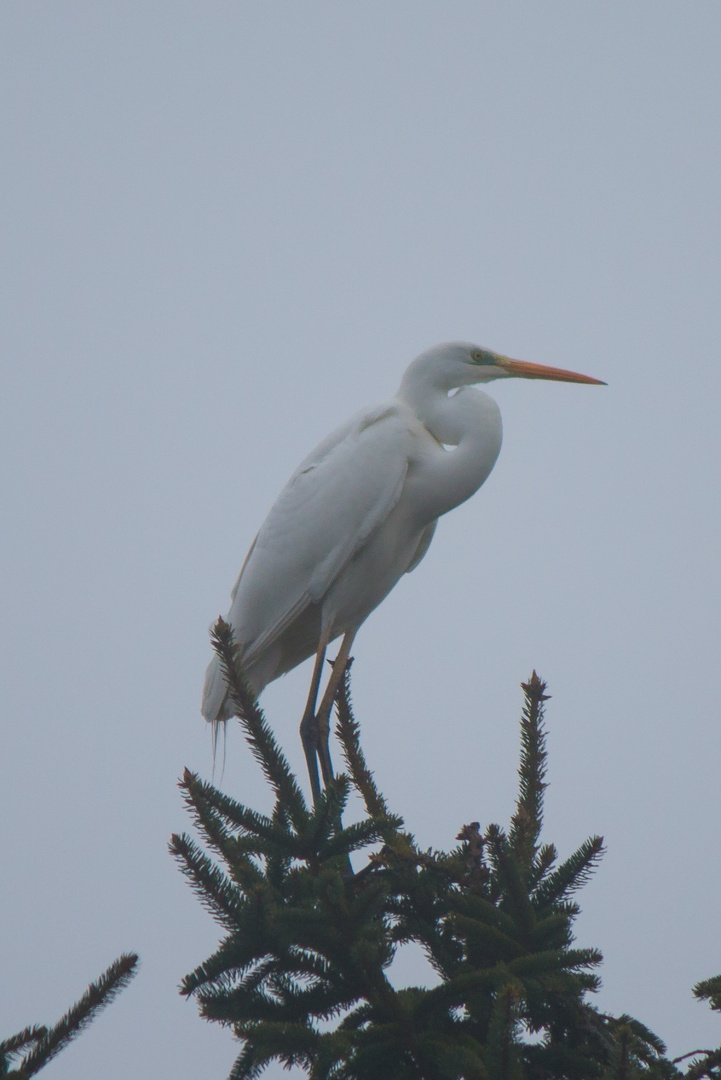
column 358, row 513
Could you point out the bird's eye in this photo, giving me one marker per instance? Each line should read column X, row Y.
column 477, row 356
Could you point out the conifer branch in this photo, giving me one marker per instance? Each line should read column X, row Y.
column 307, row 946
column 562, row 960
column 327, row 814
column 709, row 990
column 291, row 1044
column 50, row 1041
column 257, row 732
column 209, row 805
column 502, row 1056
column 348, row 732
column 255, row 833
column 353, row 838
column 240, row 969
column 709, row 1066
column 571, row 874
column 215, row 890
column 528, row 818
column 510, row 878
column 542, row 863
column 488, row 911
column 485, row 939
column 13, row 1045
column 198, row 797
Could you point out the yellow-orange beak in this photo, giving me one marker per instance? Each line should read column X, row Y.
column 526, row 370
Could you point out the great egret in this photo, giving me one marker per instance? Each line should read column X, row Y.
column 358, row 513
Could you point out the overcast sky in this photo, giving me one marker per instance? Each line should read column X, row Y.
column 227, row 226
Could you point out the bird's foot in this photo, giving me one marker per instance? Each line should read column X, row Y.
column 310, row 737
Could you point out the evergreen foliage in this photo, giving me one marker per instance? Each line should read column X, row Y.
column 301, row 975
column 36, row 1046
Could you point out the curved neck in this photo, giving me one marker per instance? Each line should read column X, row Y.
column 470, row 421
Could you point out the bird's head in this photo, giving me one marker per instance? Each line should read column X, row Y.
column 459, row 363
column 489, row 365
column 467, row 363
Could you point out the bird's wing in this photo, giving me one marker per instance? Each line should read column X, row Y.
column 330, row 506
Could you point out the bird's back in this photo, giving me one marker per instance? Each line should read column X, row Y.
column 338, row 496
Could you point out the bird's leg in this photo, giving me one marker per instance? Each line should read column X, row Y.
column 323, row 714
column 309, row 733
column 323, row 721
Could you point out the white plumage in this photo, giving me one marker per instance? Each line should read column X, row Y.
column 360, row 511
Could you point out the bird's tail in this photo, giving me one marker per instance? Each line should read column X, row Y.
column 216, row 706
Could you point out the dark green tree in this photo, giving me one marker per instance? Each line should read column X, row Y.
column 31, row 1049
column 301, row 974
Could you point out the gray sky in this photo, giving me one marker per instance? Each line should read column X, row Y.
column 226, row 226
